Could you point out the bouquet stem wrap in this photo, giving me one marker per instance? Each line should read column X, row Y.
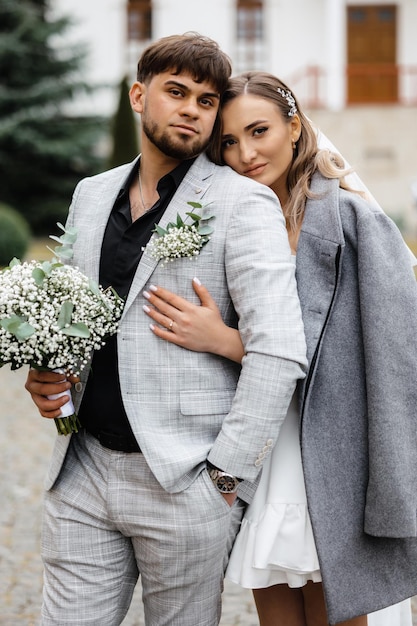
column 68, row 422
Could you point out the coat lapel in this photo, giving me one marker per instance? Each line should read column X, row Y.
column 319, row 254
column 103, row 196
column 192, row 188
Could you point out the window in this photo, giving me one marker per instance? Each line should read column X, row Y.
column 372, row 70
column 139, row 20
column 139, row 32
column 250, row 34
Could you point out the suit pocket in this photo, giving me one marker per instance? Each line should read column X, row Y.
column 207, row 402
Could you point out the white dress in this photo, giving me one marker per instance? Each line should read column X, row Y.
column 275, row 544
column 397, row 615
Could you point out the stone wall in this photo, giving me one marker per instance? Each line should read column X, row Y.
column 381, row 144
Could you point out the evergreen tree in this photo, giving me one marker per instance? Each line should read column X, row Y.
column 44, row 150
column 124, row 132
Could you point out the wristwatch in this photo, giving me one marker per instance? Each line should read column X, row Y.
column 224, row 482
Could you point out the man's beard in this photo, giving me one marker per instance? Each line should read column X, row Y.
column 190, row 147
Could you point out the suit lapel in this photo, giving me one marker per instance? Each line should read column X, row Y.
column 192, row 188
column 319, row 253
column 104, row 196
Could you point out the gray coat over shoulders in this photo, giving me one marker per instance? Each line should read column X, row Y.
column 359, row 400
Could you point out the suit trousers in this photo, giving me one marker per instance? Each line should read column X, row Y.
column 107, row 521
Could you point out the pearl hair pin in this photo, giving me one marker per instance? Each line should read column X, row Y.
column 287, row 95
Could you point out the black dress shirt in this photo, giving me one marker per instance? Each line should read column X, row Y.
column 102, row 405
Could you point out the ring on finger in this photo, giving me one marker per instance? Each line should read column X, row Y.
column 171, row 324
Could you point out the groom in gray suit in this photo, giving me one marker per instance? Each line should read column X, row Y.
column 173, row 440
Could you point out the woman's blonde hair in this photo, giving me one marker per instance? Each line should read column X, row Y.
column 307, row 158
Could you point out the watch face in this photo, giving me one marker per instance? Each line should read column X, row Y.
column 226, row 483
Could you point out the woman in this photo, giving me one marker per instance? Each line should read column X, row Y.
column 332, row 538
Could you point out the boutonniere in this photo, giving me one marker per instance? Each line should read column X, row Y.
column 181, row 239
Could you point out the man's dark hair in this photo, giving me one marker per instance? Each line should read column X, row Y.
column 190, row 53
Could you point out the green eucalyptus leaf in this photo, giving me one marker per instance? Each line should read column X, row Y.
column 94, row 288
column 159, row 230
column 207, row 216
column 6, row 322
column 67, row 239
column 77, row 330
column 24, row 331
column 55, row 238
column 195, row 205
column 180, row 221
column 47, row 267
column 17, row 326
column 64, row 252
column 38, row 276
column 55, row 261
column 65, row 314
column 14, row 262
column 194, row 216
column 205, row 229
column 70, row 231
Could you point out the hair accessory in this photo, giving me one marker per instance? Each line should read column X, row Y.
column 287, row 95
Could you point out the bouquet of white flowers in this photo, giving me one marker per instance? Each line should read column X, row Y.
column 52, row 317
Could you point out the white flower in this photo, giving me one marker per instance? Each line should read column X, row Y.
column 181, row 240
column 52, row 316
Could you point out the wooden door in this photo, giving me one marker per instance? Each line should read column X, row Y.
column 372, row 74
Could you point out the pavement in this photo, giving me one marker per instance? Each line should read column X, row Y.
column 26, row 442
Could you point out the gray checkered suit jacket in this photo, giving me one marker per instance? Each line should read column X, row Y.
column 184, row 406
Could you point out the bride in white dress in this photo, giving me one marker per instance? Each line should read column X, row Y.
column 275, row 544
column 399, row 614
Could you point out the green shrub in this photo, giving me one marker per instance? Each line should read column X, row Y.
column 15, row 235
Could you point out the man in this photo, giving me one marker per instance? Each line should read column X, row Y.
column 171, row 436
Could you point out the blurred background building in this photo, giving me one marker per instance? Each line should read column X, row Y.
column 353, row 65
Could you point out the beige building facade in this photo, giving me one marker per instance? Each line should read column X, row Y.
column 352, row 65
